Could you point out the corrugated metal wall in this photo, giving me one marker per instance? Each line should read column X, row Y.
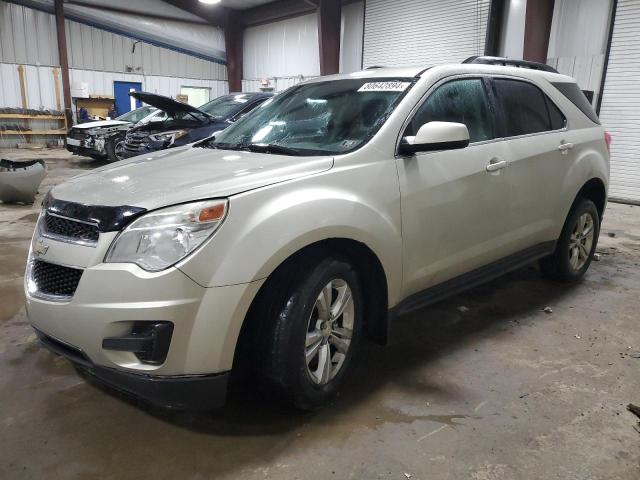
column 423, row 32
column 94, row 49
column 28, row 36
column 41, row 86
column 279, row 84
column 578, row 41
column 620, row 107
column 282, row 49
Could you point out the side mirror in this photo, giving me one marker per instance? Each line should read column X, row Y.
column 436, row 136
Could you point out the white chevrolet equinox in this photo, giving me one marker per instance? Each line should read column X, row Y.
column 311, row 224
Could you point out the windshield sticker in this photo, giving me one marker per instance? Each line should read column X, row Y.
column 384, row 87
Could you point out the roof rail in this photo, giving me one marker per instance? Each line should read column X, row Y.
column 508, row 62
column 374, row 67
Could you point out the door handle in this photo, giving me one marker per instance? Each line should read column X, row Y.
column 494, row 165
column 565, row 147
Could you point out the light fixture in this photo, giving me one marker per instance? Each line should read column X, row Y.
column 210, row 2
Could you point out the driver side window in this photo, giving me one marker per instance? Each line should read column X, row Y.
column 461, row 101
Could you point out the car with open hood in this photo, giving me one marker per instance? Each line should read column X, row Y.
column 309, row 225
column 100, row 139
column 185, row 123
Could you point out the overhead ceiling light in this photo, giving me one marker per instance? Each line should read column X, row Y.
column 210, row 2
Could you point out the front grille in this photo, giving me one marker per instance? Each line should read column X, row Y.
column 71, row 229
column 52, row 279
column 77, row 134
column 136, row 142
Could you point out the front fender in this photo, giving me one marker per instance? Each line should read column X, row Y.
column 266, row 226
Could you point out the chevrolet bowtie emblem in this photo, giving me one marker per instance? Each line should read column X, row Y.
column 40, row 248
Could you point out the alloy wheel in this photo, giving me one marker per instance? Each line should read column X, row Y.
column 581, row 241
column 329, row 331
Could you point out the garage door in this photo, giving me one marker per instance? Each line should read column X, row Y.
column 620, row 109
column 423, row 32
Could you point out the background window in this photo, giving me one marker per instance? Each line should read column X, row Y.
column 524, row 107
column 461, row 101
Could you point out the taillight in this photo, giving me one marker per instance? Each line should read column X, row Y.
column 607, row 140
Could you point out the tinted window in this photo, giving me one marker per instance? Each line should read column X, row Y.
column 558, row 120
column 575, row 95
column 523, row 106
column 462, row 101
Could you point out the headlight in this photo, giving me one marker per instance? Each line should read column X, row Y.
column 168, row 136
column 162, row 238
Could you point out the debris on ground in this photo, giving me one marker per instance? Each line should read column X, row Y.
column 547, row 310
column 612, row 234
column 463, row 309
column 408, row 475
column 577, row 336
column 524, row 395
column 597, row 257
column 634, row 409
column 634, row 354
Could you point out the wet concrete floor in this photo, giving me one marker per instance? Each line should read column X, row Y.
column 498, row 389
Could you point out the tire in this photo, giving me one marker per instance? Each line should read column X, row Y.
column 575, row 248
column 294, row 322
column 110, row 147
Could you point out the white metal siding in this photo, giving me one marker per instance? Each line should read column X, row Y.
column 620, row 110
column 28, row 36
column 423, row 32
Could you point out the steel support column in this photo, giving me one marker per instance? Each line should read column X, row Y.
column 537, row 30
column 64, row 62
column 329, row 20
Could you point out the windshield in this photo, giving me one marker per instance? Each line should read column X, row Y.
column 320, row 118
column 223, row 106
column 134, row 116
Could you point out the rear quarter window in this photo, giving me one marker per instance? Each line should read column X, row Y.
column 575, row 96
column 523, row 106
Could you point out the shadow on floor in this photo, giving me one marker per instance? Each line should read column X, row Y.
column 416, row 340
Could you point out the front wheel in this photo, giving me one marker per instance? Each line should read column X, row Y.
column 576, row 245
column 313, row 333
column 114, row 147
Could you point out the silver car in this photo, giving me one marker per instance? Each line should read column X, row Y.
column 312, row 223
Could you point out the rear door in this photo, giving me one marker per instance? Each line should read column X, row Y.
column 540, row 154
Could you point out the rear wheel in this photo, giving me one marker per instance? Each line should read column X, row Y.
column 313, row 327
column 576, row 245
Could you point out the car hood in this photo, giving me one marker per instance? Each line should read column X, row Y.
column 101, row 123
column 169, row 105
column 184, row 174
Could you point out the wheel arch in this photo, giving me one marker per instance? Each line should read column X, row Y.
column 370, row 271
column 594, row 190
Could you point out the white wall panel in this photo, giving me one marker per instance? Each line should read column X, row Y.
column 279, row 84
column 28, row 36
column 512, row 38
column 578, row 40
column 423, row 32
column 351, row 29
column 282, row 49
column 40, row 87
column 620, row 110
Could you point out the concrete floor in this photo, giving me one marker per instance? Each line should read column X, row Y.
column 496, row 390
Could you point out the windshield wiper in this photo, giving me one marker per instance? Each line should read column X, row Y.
column 271, row 148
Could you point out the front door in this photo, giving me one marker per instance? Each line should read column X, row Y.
column 455, row 211
column 124, row 103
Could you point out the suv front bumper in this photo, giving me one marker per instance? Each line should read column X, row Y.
column 111, row 298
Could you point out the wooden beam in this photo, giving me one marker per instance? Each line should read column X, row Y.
column 537, row 29
column 23, row 87
column 64, row 62
column 233, row 38
column 329, row 19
